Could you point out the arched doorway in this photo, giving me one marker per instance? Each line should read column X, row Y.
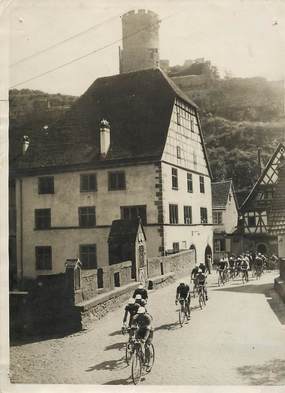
column 208, row 258
column 193, row 254
column 262, row 248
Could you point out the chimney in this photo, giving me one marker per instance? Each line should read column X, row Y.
column 25, row 144
column 104, row 137
column 259, row 161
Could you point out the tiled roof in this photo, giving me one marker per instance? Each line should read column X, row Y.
column 220, row 193
column 277, row 213
column 138, row 106
column 124, row 230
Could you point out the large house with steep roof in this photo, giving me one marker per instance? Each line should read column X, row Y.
column 225, row 217
column 130, row 146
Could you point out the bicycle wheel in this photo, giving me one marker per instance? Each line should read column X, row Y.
column 129, row 353
column 136, row 368
column 151, row 358
column 204, row 299
column 201, row 300
column 181, row 317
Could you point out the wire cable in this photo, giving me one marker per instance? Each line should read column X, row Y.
column 87, row 54
column 63, row 41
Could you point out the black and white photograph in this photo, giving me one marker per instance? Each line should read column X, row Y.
column 143, row 194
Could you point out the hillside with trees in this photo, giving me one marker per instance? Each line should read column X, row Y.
column 238, row 115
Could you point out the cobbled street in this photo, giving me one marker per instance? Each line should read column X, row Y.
column 237, row 339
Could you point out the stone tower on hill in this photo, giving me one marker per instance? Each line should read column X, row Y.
column 140, row 41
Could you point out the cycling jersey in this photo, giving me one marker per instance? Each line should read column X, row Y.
column 140, row 291
column 132, row 310
column 194, row 271
column 141, row 302
column 201, row 279
column 222, row 265
column 182, row 291
column 142, row 321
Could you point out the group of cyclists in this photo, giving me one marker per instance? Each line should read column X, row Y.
column 139, row 326
column 234, row 266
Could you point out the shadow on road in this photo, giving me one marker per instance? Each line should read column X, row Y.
column 127, row 381
column 269, row 373
column 116, row 333
column 118, row 346
column 168, row 326
column 109, row 365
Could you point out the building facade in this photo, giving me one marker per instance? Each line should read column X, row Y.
column 148, row 160
column 254, row 212
column 225, row 217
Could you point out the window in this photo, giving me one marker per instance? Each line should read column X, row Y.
column 204, row 215
column 251, row 221
column 202, row 184
column 46, row 185
column 88, row 183
column 219, row 245
column 174, row 179
column 189, row 182
column 173, row 214
column 187, row 215
column 178, row 116
column 87, row 216
column 88, row 256
column 117, row 181
column 178, row 149
column 217, row 218
column 43, row 258
column 42, row 218
column 133, row 212
column 175, row 247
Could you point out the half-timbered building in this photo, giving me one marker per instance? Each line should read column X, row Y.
column 254, row 212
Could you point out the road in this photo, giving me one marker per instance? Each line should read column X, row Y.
column 238, row 339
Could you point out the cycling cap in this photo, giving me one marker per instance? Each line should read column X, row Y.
column 141, row 310
column 138, row 296
column 131, row 300
column 140, row 285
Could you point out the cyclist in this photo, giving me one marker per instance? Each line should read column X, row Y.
column 244, row 266
column 183, row 292
column 130, row 309
column 222, row 268
column 142, row 325
column 140, row 290
column 258, row 263
column 232, row 266
column 194, row 271
column 201, row 281
column 139, row 300
column 202, row 266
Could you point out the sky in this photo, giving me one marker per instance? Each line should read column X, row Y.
column 245, row 38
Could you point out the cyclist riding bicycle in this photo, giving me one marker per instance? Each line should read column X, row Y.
column 222, row 266
column 201, row 281
column 142, row 326
column 258, row 263
column 183, row 292
column 131, row 309
column 140, row 290
column 139, row 300
column 244, row 266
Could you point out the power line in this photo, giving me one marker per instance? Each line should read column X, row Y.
column 63, row 41
column 88, row 54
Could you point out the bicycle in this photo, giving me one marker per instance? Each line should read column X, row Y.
column 201, row 294
column 221, row 278
column 138, row 361
column 129, row 349
column 183, row 312
column 195, row 289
